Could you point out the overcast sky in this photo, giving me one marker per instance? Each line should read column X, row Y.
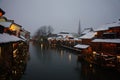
column 62, row 15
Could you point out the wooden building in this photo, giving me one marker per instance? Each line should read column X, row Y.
column 13, row 54
column 106, row 45
column 87, row 38
column 109, row 31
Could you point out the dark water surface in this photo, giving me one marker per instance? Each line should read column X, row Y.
column 60, row 64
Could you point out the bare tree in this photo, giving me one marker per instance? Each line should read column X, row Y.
column 43, row 31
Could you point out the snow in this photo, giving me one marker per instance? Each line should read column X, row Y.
column 4, row 38
column 107, row 26
column 102, row 28
column 107, row 40
column 22, row 37
column 50, row 38
column 86, row 30
column 6, row 24
column 65, row 35
column 76, row 39
column 81, row 46
column 88, row 35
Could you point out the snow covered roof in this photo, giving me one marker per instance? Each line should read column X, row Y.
column 50, row 38
column 107, row 40
column 4, row 38
column 65, row 35
column 88, row 35
column 81, row 46
column 107, row 26
column 86, row 30
column 22, row 37
column 6, row 24
column 76, row 39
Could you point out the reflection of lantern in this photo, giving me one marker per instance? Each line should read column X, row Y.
column 61, row 53
column 69, row 56
column 94, row 52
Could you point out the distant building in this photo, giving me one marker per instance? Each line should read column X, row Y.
column 65, row 35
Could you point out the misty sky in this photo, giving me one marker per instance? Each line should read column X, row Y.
column 62, row 15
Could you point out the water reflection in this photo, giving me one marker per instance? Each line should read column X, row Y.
column 69, row 57
column 92, row 72
column 51, row 63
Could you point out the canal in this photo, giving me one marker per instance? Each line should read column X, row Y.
column 60, row 64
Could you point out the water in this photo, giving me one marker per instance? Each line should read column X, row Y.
column 60, row 64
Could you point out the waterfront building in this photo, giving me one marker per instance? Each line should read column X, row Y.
column 13, row 53
column 13, row 50
column 106, row 45
column 15, row 29
column 87, row 38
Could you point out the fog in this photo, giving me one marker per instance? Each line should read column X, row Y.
column 62, row 15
